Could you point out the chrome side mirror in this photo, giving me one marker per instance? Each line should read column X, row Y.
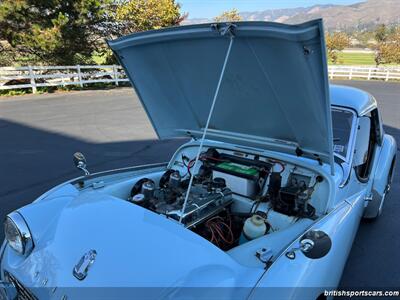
column 314, row 244
column 80, row 162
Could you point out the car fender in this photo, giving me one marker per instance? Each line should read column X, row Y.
column 314, row 276
column 68, row 188
column 381, row 173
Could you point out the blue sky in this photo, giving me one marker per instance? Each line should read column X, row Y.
column 212, row 8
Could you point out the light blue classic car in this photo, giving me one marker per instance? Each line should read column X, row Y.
column 263, row 202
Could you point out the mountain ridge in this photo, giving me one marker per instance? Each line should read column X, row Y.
column 357, row 16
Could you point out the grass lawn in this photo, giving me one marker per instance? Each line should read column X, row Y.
column 344, row 58
column 356, row 58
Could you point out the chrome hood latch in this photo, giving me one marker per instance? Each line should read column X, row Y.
column 81, row 269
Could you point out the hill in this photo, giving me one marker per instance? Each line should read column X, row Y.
column 359, row 16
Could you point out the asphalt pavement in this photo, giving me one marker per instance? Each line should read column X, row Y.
column 39, row 134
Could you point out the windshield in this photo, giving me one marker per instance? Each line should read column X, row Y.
column 342, row 121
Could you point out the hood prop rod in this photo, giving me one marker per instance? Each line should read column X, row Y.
column 229, row 31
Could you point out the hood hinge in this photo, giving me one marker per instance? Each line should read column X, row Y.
column 227, row 30
column 318, row 159
column 299, row 152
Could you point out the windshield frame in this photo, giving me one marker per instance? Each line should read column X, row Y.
column 349, row 153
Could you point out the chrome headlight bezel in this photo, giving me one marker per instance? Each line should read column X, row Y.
column 17, row 234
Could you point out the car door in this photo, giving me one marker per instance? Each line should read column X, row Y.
column 378, row 169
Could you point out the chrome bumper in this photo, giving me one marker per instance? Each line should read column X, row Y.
column 7, row 291
column 2, row 249
column 11, row 288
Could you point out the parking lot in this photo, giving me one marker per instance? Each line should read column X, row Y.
column 39, row 134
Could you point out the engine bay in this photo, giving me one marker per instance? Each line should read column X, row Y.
column 207, row 197
column 235, row 197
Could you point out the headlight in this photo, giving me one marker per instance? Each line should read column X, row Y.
column 18, row 234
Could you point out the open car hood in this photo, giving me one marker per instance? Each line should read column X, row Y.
column 274, row 92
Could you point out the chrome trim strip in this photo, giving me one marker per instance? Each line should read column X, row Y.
column 346, row 164
column 353, row 123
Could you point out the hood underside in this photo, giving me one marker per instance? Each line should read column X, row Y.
column 273, row 94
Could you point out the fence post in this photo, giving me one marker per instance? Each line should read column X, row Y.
column 115, row 74
column 331, row 71
column 351, row 73
column 62, row 78
column 32, row 78
column 387, row 75
column 78, row 68
column 369, row 73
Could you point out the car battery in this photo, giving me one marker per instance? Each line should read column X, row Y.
column 241, row 179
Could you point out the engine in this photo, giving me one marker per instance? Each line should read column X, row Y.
column 207, row 197
column 234, row 198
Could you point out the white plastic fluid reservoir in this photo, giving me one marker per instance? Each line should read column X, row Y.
column 254, row 227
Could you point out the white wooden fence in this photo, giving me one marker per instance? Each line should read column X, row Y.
column 32, row 77
column 364, row 72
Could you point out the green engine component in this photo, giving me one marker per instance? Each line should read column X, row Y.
column 238, row 169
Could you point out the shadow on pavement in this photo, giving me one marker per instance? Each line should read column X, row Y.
column 33, row 160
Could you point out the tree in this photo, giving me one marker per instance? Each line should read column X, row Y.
column 6, row 54
column 381, row 33
column 229, row 16
column 336, row 42
column 130, row 16
column 53, row 31
column 140, row 15
column 72, row 31
column 388, row 50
